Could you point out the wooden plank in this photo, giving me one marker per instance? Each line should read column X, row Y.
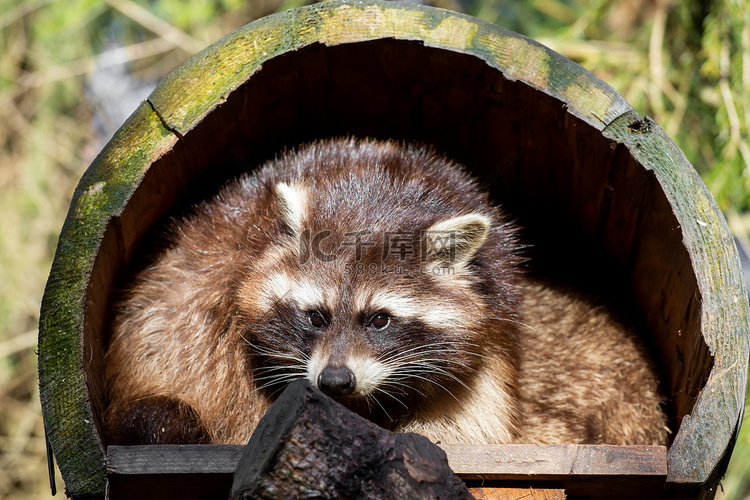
column 171, row 471
column 517, row 493
column 611, row 472
column 596, row 471
column 485, row 462
column 555, row 462
column 172, row 459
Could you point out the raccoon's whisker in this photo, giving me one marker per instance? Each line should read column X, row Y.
column 277, row 391
column 435, row 346
column 427, row 363
column 263, row 350
column 282, row 375
column 381, row 406
column 276, row 355
column 285, row 361
column 436, row 362
column 437, row 384
column 516, row 322
column 409, row 352
column 419, row 351
column 482, row 356
column 395, row 399
column 267, row 369
column 445, row 369
column 457, row 379
column 407, row 358
column 432, row 368
column 367, row 401
column 400, row 387
column 412, row 369
column 281, row 379
column 419, row 371
column 270, row 352
column 399, row 384
column 395, row 379
column 277, row 379
column 281, row 383
column 281, row 371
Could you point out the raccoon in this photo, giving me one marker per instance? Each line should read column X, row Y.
column 379, row 272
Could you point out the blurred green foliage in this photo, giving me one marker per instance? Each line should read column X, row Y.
column 684, row 63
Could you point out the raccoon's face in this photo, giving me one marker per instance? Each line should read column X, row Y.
column 378, row 331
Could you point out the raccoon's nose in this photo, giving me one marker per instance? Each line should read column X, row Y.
column 336, row 381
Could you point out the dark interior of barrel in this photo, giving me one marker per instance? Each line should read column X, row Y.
column 592, row 215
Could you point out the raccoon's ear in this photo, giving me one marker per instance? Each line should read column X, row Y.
column 451, row 244
column 292, row 201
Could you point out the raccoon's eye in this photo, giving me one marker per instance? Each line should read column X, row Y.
column 380, row 321
column 317, row 320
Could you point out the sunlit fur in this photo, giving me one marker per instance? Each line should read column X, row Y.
column 207, row 335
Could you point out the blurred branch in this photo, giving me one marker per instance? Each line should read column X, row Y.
column 18, row 343
column 660, row 84
column 155, row 24
column 12, row 15
column 114, row 57
column 745, row 47
column 735, row 127
column 746, row 69
column 587, row 49
column 557, row 10
column 655, row 48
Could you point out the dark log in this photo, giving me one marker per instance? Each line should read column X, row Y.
column 309, row 446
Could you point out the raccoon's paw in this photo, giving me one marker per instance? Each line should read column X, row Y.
column 155, row 420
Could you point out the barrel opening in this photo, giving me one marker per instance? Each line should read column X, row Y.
column 591, row 213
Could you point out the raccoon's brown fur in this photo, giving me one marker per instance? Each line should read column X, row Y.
column 585, row 375
column 380, row 272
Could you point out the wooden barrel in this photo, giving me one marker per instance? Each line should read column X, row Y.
column 601, row 190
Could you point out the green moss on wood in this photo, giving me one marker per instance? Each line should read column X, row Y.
column 705, row 434
column 103, row 191
column 204, row 82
